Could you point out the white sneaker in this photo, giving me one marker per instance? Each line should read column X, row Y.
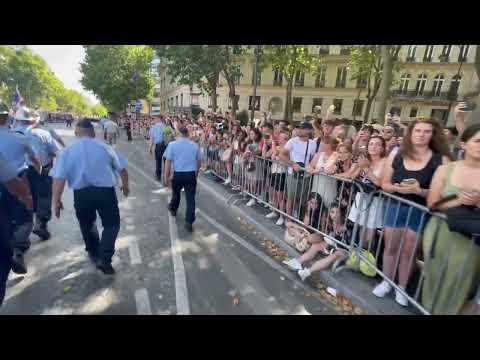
column 382, row 289
column 280, row 221
column 228, row 181
column 293, row 264
column 251, row 202
column 400, row 298
column 271, row 215
column 304, row 273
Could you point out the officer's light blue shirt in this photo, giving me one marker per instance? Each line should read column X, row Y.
column 184, row 155
column 7, row 171
column 156, row 132
column 15, row 148
column 43, row 145
column 87, row 162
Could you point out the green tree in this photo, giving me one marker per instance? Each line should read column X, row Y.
column 389, row 56
column 98, row 110
column 109, row 70
column 291, row 60
column 202, row 65
column 192, row 65
column 366, row 66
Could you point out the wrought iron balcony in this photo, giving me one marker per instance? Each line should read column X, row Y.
column 425, row 95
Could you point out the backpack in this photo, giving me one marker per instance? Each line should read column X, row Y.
column 168, row 135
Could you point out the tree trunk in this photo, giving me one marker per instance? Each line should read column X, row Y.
column 386, row 83
column 288, row 114
column 358, row 97
column 233, row 98
column 368, row 107
column 213, row 96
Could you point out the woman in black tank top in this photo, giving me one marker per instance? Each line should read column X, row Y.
column 408, row 175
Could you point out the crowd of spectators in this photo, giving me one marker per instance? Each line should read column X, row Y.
column 324, row 174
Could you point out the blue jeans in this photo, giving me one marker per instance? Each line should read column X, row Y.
column 187, row 180
column 415, row 221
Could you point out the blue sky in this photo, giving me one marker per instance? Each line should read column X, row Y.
column 64, row 60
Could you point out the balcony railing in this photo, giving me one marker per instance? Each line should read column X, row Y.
column 425, row 95
column 427, row 59
column 344, row 51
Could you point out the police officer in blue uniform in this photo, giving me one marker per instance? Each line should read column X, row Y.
column 156, row 139
column 41, row 184
column 11, row 185
column 91, row 169
column 16, row 149
column 186, row 159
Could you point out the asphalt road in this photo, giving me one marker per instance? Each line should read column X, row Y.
column 161, row 269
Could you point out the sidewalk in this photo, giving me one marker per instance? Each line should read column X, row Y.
column 352, row 285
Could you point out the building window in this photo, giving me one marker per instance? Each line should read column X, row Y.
column 237, row 98
column 297, row 104
column 412, row 49
column 421, row 82
column 344, row 49
column 320, row 78
column 445, row 56
column 277, row 78
column 324, row 50
column 259, row 77
column 257, row 103
column 316, row 102
column 404, row 81
column 181, row 100
column 462, row 56
column 357, row 107
column 341, row 77
column 361, row 84
column 437, row 85
column 413, row 112
column 454, row 86
column 338, row 106
column 299, row 78
column 428, row 53
column 176, row 100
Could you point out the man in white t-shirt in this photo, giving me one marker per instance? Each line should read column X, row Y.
column 298, row 152
column 112, row 130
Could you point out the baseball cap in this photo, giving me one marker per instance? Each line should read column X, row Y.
column 306, row 125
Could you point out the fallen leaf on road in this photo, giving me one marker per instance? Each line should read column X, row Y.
column 282, row 278
column 67, row 289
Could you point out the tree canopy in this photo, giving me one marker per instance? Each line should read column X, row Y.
column 36, row 82
column 116, row 74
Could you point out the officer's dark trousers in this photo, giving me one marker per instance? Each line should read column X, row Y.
column 6, row 243
column 129, row 135
column 41, row 188
column 87, row 202
column 22, row 219
column 187, row 180
column 159, row 150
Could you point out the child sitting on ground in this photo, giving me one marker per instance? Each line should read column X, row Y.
column 334, row 226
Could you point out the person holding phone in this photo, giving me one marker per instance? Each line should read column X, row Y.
column 408, row 175
column 449, row 253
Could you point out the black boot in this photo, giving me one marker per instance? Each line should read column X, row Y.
column 18, row 263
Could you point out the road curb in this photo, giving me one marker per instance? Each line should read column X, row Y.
column 325, row 276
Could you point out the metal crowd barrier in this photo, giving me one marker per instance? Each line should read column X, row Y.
column 363, row 216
